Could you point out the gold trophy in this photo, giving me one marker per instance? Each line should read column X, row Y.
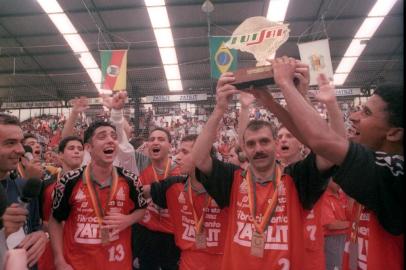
column 260, row 37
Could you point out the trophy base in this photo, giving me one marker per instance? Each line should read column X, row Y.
column 253, row 77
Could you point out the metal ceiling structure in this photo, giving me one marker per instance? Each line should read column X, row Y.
column 36, row 64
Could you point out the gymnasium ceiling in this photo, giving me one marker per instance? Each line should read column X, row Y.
column 36, row 64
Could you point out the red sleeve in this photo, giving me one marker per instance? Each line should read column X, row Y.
column 327, row 213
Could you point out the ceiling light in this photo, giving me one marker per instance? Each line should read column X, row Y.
column 168, row 56
column 164, row 37
column 74, row 40
column 277, row 10
column 175, row 85
column 158, row 16
column 172, row 72
column 366, row 31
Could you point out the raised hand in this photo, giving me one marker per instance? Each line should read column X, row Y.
column 225, row 91
column 283, row 70
column 302, row 76
column 246, row 99
column 327, row 92
column 117, row 101
column 80, row 104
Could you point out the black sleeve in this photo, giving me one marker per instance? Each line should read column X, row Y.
column 134, row 185
column 375, row 180
column 309, row 182
column 62, row 192
column 219, row 183
column 158, row 189
column 34, row 220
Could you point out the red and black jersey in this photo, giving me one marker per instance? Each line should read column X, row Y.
column 156, row 218
column 376, row 181
column 284, row 247
column 173, row 195
column 82, row 244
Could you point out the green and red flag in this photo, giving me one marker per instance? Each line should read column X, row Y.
column 222, row 59
column 114, row 69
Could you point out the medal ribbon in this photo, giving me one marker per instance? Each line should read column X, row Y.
column 94, row 196
column 198, row 221
column 271, row 205
column 168, row 166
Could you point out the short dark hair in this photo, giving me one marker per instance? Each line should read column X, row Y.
column 64, row 142
column 29, row 135
column 392, row 95
column 255, row 125
column 193, row 138
column 163, row 130
column 89, row 132
column 7, row 119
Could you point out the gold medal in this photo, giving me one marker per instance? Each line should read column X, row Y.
column 104, row 235
column 201, row 240
column 257, row 244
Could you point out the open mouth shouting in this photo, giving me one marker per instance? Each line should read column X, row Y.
column 109, row 151
column 155, row 150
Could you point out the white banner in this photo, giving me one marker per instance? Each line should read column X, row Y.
column 31, row 104
column 339, row 93
column 317, row 55
column 174, row 98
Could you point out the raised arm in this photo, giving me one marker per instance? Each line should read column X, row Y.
column 203, row 144
column 126, row 153
column 327, row 96
column 322, row 139
column 79, row 105
column 246, row 99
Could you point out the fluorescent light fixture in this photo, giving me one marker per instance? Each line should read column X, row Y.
column 365, row 31
column 339, row 78
column 369, row 27
column 50, row 6
column 355, row 49
column 159, row 18
column 277, row 10
column 74, row 40
column 346, row 64
column 153, row 3
column 172, row 72
column 276, row 13
column 76, row 43
column 87, row 60
column 168, row 56
column 63, row 23
column 382, row 8
column 164, row 37
column 175, row 85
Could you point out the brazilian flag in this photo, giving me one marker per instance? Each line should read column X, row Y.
column 222, row 59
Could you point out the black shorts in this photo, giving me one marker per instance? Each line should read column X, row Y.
column 154, row 249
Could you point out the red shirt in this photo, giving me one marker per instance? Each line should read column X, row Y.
column 46, row 261
column 156, row 218
column 333, row 208
column 314, row 239
column 284, row 245
column 377, row 249
column 81, row 234
column 214, row 222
